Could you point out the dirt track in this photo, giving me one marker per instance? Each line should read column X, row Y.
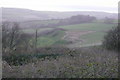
column 75, row 35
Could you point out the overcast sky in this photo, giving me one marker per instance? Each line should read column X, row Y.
column 63, row 5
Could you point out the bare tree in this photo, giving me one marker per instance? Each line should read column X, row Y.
column 10, row 36
column 13, row 37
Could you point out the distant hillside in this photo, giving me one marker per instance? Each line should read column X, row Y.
column 17, row 14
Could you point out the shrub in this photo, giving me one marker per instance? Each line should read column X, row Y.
column 21, row 59
column 18, row 59
column 89, row 63
column 112, row 39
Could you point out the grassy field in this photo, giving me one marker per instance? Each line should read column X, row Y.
column 32, row 31
column 98, row 36
column 50, row 39
column 89, row 26
column 98, row 29
column 89, row 39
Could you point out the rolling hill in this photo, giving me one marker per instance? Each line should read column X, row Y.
column 18, row 14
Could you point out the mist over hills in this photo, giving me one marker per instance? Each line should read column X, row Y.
column 18, row 14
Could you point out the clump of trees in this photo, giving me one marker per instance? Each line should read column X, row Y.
column 112, row 39
column 77, row 20
column 108, row 20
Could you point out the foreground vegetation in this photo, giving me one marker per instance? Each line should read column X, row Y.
column 91, row 62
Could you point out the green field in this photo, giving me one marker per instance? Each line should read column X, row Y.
column 50, row 39
column 55, row 38
column 32, row 31
column 96, row 37
column 89, row 26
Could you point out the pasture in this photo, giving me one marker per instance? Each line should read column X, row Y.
column 89, row 26
column 73, row 35
column 50, row 39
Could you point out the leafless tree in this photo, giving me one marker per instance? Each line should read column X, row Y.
column 13, row 37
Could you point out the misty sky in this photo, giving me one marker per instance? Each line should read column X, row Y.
column 63, row 5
